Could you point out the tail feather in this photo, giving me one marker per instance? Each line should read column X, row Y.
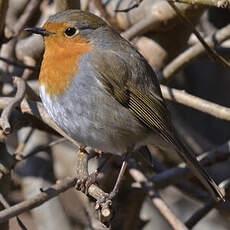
column 197, row 169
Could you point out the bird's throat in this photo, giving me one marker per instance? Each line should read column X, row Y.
column 60, row 66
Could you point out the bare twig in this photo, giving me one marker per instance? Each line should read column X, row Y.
column 3, row 10
column 135, row 5
column 4, row 201
column 61, row 5
column 198, row 215
column 219, row 3
column 173, row 175
column 26, row 16
column 6, row 205
column 99, row 5
column 46, row 195
column 20, row 65
column 197, row 103
column 27, row 72
column 157, row 201
column 21, row 145
column 20, row 223
column 140, row 26
column 20, row 156
column 159, row 17
column 37, row 200
column 21, row 89
column 193, row 52
column 209, row 50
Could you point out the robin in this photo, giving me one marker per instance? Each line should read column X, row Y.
column 101, row 91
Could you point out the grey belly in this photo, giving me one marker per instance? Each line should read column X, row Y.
column 92, row 117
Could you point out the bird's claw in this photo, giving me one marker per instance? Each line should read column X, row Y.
column 105, row 200
column 84, row 183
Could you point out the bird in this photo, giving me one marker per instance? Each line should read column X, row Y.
column 102, row 92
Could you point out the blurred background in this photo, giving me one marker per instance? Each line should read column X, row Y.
column 34, row 156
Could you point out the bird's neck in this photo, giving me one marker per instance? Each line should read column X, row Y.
column 60, row 66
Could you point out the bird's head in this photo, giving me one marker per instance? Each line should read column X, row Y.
column 67, row 38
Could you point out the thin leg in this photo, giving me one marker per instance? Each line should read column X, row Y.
column 119, row 178
column 92, row 178
column 107, row 159
column 85, row 180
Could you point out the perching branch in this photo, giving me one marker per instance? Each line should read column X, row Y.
column 48, row 194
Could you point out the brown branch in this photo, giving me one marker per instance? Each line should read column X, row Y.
column 199, row 214
column 216, row 3
column 61, row 5
column 196, row 193
column 158, row 17
column 187, row 188
column 46, row 195
column 157, row 201
column 180, row 96
column 20, row 156
column 213, row 54
column 21, row 89
column 4, row 201
column 3, row 10
column 6, row 205
column 37, row 200
column 99, row 5
column 193, row 52
column 126, row 10
column 140, row 27
column 36, row 109
column 174, row 175
column 202, row 212
column 31, row 7
column 20, row 65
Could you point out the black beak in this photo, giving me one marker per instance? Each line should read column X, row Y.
column 38, row 30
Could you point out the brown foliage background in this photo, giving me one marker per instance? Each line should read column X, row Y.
column 158, row 191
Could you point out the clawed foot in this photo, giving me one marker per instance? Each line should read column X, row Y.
column 103, row 205
column 105, row 199
column 84, row 183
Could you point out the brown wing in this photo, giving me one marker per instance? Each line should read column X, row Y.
column 145, row 102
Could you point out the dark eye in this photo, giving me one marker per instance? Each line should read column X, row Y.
column 70, row 31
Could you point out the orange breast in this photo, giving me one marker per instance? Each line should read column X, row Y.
column 60, row 63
